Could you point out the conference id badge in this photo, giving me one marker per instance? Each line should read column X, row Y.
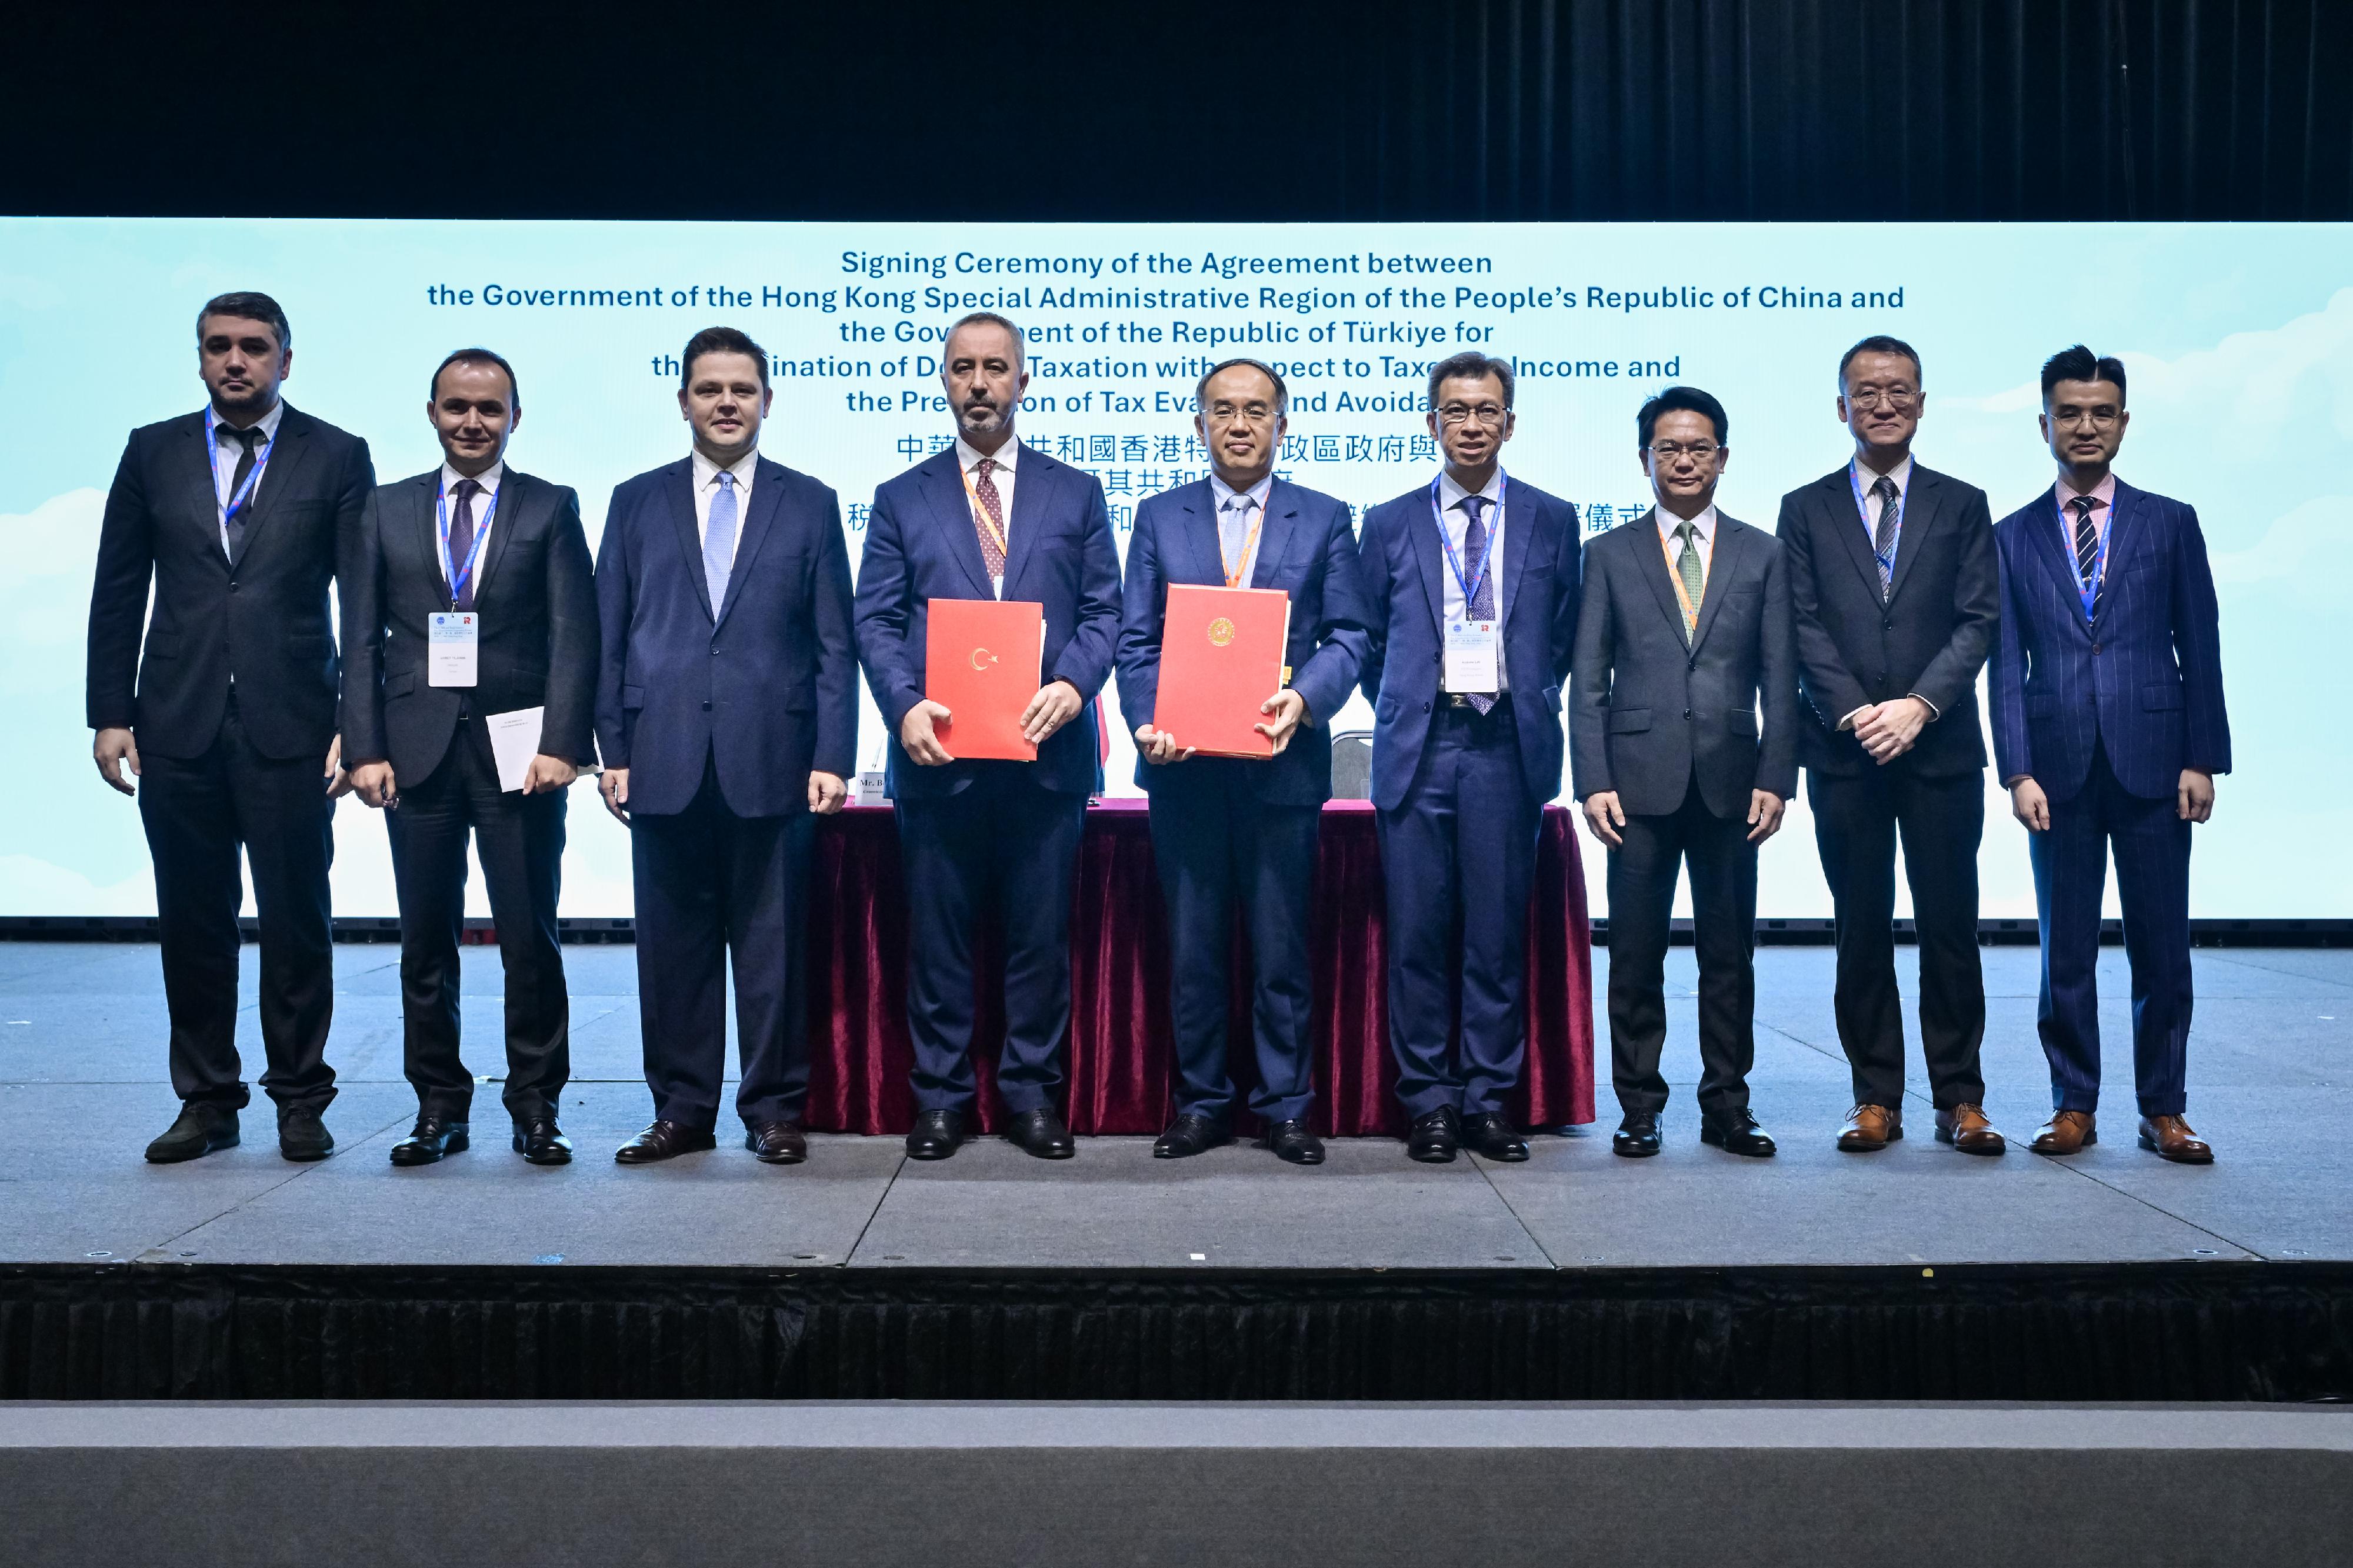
column 1471, row 655
column 453, row 644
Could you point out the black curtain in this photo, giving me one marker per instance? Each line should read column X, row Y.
column 1496, row 109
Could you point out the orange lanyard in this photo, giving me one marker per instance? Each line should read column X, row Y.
column 980, row 515
column 1675, row 575
column 1233, row 570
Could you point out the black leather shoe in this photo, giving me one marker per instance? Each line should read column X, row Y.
column 777, row 1142
column 1737, row 1134
column 1434, row 1137
column 302, row 1136
column 1189, row 1134
column 1637, row 1137
column 1041, row 1132
column 432, row 1137
column 664, row 1141
column 1294, row 1144
column 934, row 1135
column 198, row 1131
column 541, row 1143
column 1490, row 1135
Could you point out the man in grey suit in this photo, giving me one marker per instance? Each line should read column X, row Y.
column 1684, row 632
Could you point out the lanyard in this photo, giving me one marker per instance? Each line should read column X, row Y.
column 1468, row 584
column 455, row 576
column 1854, row 478
column 243, row 499
column 2088, row 596
column 1675, row 572
column 980, row 515
column 1233, row 570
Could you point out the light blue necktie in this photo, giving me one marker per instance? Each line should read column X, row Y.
column 719, row 541
column 1233, row 532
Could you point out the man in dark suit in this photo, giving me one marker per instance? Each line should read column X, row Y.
column 2108, row 727
column 727, row 717
column 1223, row 827
column 488, row 569
column 989, row 519
column 238, row 517
column 1685, row 634
column 1897, row 593
column 1474, row 587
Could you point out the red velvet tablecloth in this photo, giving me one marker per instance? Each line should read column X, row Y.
column 1121, row 1072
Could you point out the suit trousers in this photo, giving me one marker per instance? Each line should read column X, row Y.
column 1458, row 858
column 1643, row 873
column 2071, row 876
column 1858, row 818
column 712, row 885
column 520, row 838
column 1214, row 844
column 198, row 812
column 1005, row 851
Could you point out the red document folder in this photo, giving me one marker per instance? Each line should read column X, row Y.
column 1220, row 657
column 984, row 660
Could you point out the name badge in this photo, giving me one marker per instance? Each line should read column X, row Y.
column 453, row 645
column 1470, row 649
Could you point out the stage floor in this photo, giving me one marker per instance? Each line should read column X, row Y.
column 82, row 1081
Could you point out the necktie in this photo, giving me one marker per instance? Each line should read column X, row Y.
column 236, row 523
column 2087, row 542
column 1695, row 576
column 1233, row 536
column 1883, row 543
column 461, row 543
column 985, row 490
column 719, row 543
column 1481, row 606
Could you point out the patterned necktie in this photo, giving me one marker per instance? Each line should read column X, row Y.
column 2088, row 545
column 719, row 543
column 1884, row 543
column 984, row 492
column 1480, row 606
column 1233, row 535
column 235, row 524
column 461, row 543
column 1695, row 576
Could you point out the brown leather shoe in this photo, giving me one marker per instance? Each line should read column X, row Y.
column 2171, row 1138
column 1869, row 1128
column 1968, row 1128
column 2066, row 1131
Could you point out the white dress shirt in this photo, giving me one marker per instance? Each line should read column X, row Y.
column 1451, row 497
column 226, row 454
column 1865, row 477
column 1253, row 511
column 486, row 506
column 706, row 489
column 968, row 460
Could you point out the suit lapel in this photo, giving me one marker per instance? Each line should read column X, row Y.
column 1202, row 557
column 1838, row 496
column 2124, row 533
column 1519, row 523
column 287, row 455
column 425, row 523
column 1030, row 504
column 1426, row 550
column 1720, row 562
column 678, row 485
column 201, row 486
column 767, row 498
column 1650, row 563
column 506, row 512
column 1919, row 516
column 944, row 480
column 2044, row 532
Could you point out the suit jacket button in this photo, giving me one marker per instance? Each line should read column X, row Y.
column 1887, row 626
column 1425, row 707
column 1686, row 713
column 706, row 708
column 2095, row 647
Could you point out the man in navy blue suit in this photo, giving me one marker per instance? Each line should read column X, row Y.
column 2108, row 727
column 727, row 717
column 1228, row 828
column 1474, row 583
column 989, row 519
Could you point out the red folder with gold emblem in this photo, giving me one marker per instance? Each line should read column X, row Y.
column 1220, row 657
column 984, row 660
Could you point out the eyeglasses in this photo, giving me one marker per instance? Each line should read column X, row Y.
column 1895, row 397
column 1701, row 451
column 2098, row 418
column 1256, row 413
column 1463, row 414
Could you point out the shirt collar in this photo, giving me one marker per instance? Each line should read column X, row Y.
column 1668, row 523
column 1222, row 492
column 1866, row 476
column 2105, row 492
column 488, row 478
column 267, row 424
column 706, row 472
column 1450, row 494
column 968, row 457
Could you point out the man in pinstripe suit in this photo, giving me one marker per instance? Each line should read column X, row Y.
column 2108, row 727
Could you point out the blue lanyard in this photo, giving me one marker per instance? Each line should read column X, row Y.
column 1468, row 584
column 451, row 575
column 1854, row 478
column 243, row 498
column 2088, row 596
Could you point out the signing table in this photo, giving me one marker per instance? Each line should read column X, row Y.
column 1121, row 1071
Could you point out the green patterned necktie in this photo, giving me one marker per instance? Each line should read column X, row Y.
column 1687, row 566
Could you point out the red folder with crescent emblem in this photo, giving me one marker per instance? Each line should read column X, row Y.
column 984, row 660
column 1220, row 657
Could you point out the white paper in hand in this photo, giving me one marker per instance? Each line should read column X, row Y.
column 515, row 740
